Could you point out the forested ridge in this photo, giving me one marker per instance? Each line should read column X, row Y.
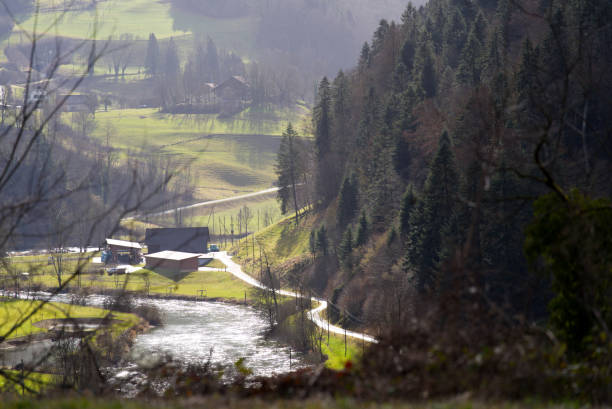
column 465, row 160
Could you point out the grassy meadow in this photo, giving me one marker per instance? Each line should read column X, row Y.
column 113, row 17
column 281, row 241
column 226, row 157
column 12, row 311
column 217, row 284
column 139, row 18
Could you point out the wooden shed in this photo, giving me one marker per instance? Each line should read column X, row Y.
column 172, row 261
column 122, row 251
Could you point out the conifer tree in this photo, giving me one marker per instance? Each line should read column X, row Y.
column 362, row 230
column 347, row 202
column 346, row 248
column 322, row 128
column 400, row 77
column 408, row 53
column 435, row 212
column 322, row 242
column 455, row 35
column 172, row 62
column 470, row 65
column 379, row 36
column 494, row 59
column 341, row 125
column 409, row 200
column 466, row 7
column 426, row 80
column 289, row 167
column 312, row 243
column 409, row 21
column 364, row 58
column 479, row 27
column 152, row 57
column 213, row 72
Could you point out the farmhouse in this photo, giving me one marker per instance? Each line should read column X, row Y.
column 233, row 93
column 186, row 239
column 173, row 261
column 232, row 89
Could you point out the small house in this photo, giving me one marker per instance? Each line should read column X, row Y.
column 120, row 251
column 233, row 93
column 185, row 239
column 234, row 88
column 172, row 261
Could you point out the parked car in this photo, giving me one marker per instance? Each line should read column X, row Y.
column 117, row 271
column 213, row 247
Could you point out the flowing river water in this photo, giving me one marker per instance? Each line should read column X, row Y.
column 193, row 332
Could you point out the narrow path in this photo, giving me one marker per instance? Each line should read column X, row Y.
column 313, row 315
column 204, row 204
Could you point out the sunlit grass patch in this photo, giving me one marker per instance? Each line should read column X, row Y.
column 335, row 350
column 281, row 241
column 225, row 157
column 13, row 312
column 113, row 17
column 34, row 382
column 215, row 263
column 214, row 284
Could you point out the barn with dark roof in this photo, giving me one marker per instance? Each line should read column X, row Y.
column 184, row 239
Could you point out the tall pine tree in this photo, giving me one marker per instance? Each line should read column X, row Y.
column 289, row 167
column 323, row 128
column 431, row 217
column 152, row 57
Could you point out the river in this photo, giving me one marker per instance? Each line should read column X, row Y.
column 192, row 330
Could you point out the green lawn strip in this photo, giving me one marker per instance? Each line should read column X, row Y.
column 216, row 284
column 12, row 311
column 215, row 263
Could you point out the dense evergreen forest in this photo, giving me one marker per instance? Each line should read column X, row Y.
column 471, row 151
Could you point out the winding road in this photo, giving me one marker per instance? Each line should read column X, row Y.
column 204, row 204
column 313, row 315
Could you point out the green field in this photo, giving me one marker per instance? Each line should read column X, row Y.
column 12, row 311
column 225, row 157
column 138, row 17
column 217, row 284
column 111, row 18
